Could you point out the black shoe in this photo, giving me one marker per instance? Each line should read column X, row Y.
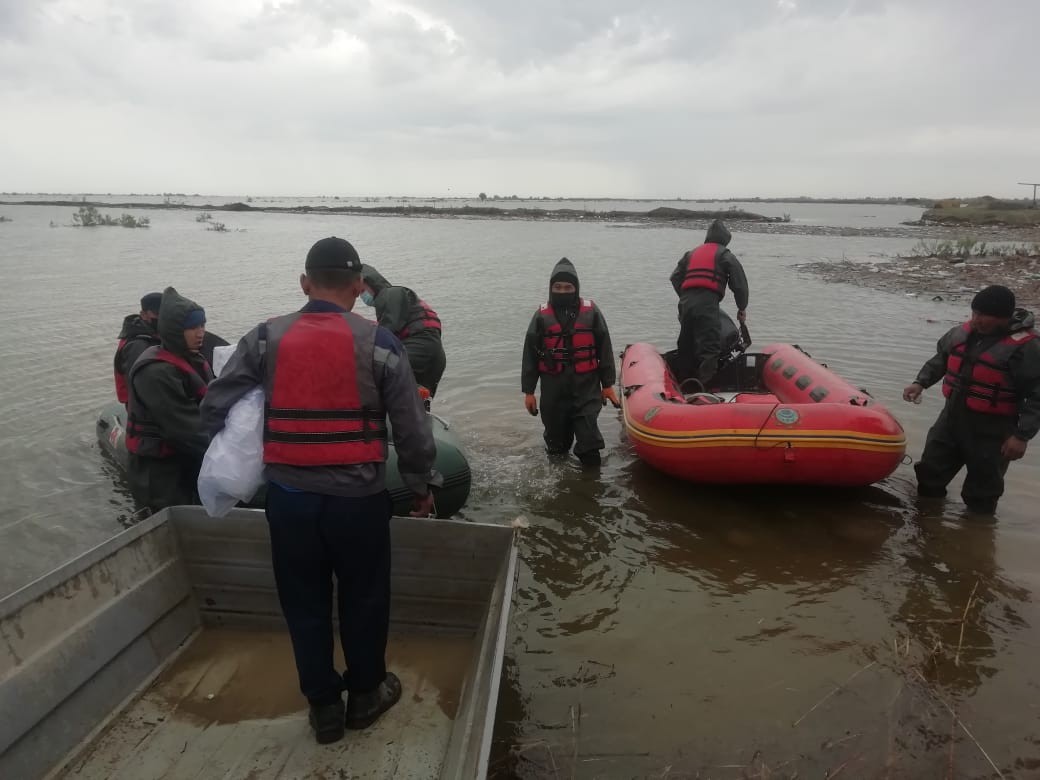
column 327, row 722
column 364, row 709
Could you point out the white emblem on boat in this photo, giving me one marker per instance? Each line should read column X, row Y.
column 787, row 416
column 651, row 413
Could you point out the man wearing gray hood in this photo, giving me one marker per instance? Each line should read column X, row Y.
column 700, row 280
column 567, row 349
column 164, row 433
column 410, row 318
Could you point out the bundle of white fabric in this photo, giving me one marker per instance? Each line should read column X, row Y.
column 233, row 468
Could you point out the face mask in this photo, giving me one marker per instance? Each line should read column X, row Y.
column 563, row 300
column 367, row 299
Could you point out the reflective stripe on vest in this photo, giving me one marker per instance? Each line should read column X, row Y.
column 420, row 317
column 702, row 271
column 985, row 382
column 575, row 346
column 323, row 407
column 143, row 436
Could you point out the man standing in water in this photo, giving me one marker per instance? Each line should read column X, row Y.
column 700, row 281
column 567, row 348
column 139, row 332
column 411, row 319
column 330, row 380
column 990, row 372
column 164, row 435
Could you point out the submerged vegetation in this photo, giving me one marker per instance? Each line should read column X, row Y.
column 964, row 248
column 89, row 216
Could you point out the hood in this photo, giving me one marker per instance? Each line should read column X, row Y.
column 718, row 233
column 134, row 326
column 175, row 307
column 374, row 279
column 564, row 271
column 1022, row 319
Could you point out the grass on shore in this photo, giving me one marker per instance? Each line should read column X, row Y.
column 972, row 215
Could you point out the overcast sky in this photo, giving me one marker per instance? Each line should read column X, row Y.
column 660, row 98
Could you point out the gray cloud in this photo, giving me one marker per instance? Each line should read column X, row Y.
column 587, row 97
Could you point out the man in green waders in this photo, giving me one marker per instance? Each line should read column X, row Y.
column 567, row 349
column 990, row 372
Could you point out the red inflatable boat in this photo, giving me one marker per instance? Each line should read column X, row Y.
column 776, row 416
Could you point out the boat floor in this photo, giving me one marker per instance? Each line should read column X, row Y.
column 229, row 707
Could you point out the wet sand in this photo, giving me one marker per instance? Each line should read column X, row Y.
column 939, row 278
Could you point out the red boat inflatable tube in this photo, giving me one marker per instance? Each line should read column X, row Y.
column 783, row 418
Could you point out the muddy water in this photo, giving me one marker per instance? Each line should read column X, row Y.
column 658, row 626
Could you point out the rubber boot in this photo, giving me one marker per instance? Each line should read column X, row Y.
column 590, row 459
column 364, row 709
column 327, row 722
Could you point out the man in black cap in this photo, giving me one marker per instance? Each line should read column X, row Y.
column 567, row 349
column 331, row 379
column 139, row 332
column 990, row 372
column 700, row 280
column 164, row 435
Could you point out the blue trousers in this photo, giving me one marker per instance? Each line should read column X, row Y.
column 314, row 536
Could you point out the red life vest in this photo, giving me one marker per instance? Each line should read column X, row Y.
column 323, row 405
column 143, row 436
column 576, row 346
column 702, row 272
column 985, row 382
column 120, row 369
column 420, row 317
column 122, row 391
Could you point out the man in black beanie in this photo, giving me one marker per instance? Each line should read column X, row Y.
column 990, row 372
column 139, row 332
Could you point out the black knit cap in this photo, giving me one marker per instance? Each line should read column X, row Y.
column 995, row 301
column 333, row 252
column 151, row 302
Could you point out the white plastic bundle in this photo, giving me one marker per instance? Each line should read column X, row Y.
column 233, row 468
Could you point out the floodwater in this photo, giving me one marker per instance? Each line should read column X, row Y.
column 660, row 629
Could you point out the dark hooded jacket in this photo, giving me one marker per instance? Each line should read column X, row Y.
column 581, row 384
column 725, row 261
column 161, row 387
column 395, row 306
column 1024, row 366
column 137, row 335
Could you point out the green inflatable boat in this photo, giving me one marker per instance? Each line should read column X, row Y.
column 451, row 463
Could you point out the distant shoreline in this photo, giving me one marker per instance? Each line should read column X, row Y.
column 682, row 219
column 662, row 214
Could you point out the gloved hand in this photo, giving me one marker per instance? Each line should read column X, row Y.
column 608, row 394
column 742, row 315
column 531, row 404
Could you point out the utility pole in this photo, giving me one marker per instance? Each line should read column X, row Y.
column 1034, row 185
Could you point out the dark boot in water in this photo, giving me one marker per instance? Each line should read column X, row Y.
column 364, row 709
column 327, row 722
